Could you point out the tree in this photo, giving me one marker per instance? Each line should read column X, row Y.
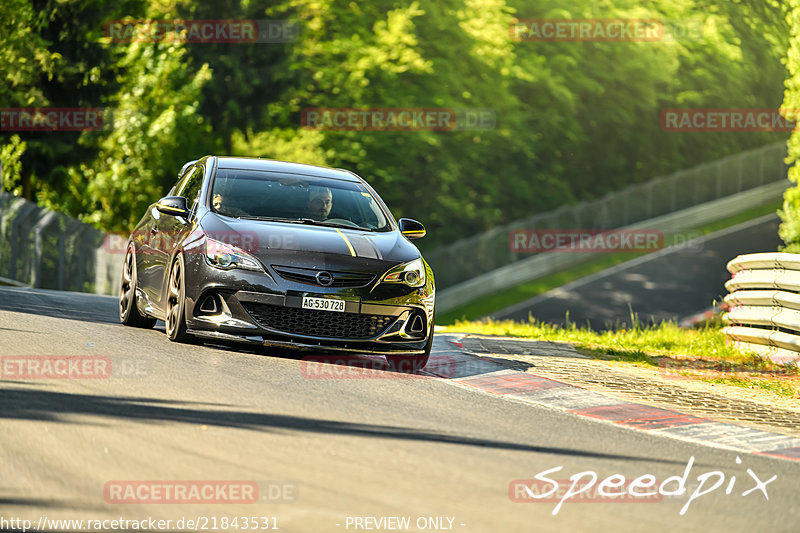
column 789, row 230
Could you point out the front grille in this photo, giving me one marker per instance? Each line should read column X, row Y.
column 316, row 323
column 309, row 276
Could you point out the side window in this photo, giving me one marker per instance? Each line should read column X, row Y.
column 190, row 189
column 183, row 176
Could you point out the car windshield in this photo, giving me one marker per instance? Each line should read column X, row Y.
column 296, row 199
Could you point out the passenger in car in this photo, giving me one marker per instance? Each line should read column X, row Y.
column 223, row 207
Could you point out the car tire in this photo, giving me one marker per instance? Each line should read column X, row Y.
column 129, row 314
column 411, row 363
column 175, row 315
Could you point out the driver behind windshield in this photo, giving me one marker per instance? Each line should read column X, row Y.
column 320, row 201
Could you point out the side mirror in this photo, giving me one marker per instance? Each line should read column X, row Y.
column 411, row 228
column 173, row 205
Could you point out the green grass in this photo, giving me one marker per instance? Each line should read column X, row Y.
column 508, row 297
column 644, row 344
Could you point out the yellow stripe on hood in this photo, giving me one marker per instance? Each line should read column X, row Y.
column 347, row 241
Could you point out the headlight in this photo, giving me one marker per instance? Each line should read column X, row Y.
column 411, row 274
column 226, row 256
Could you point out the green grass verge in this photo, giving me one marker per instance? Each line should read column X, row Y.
column 774, row 386
column 637, row 344
column 508, row 297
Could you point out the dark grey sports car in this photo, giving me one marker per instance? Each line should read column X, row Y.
column 280, row 254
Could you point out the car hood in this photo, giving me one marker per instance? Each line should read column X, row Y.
column 300, row 245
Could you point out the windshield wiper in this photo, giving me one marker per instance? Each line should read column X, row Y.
column 272, row 219
column 307, row 221
column 335, row 224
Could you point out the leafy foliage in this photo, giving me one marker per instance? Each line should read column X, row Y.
column 572, row 120
column 790, row 214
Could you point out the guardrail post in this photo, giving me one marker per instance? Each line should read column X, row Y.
column 68, row 233
column 81, row 252
column 5, row 200
column 25, row 210
column 36, row 267
column 741, row 171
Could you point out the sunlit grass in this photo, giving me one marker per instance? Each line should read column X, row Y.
column 645, row 343
column 787, row 389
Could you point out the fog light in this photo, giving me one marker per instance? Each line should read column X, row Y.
column 415, row 326
column 209, row 305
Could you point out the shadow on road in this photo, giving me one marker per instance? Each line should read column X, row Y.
column 41, row 503
column 60, row 304
column 39, row 405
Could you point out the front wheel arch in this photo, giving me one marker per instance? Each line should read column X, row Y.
column 128, row 311
column 175, row 304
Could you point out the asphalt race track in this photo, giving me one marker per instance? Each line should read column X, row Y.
column 324, row 448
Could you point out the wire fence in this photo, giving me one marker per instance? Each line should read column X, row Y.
column 467, row 258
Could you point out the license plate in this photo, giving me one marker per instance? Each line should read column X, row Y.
column 323, row 304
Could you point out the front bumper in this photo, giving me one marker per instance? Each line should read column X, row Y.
column 262, row 308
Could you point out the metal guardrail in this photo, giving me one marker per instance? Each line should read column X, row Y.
column 764, row 305
column 468, row 258
column 50, row 250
